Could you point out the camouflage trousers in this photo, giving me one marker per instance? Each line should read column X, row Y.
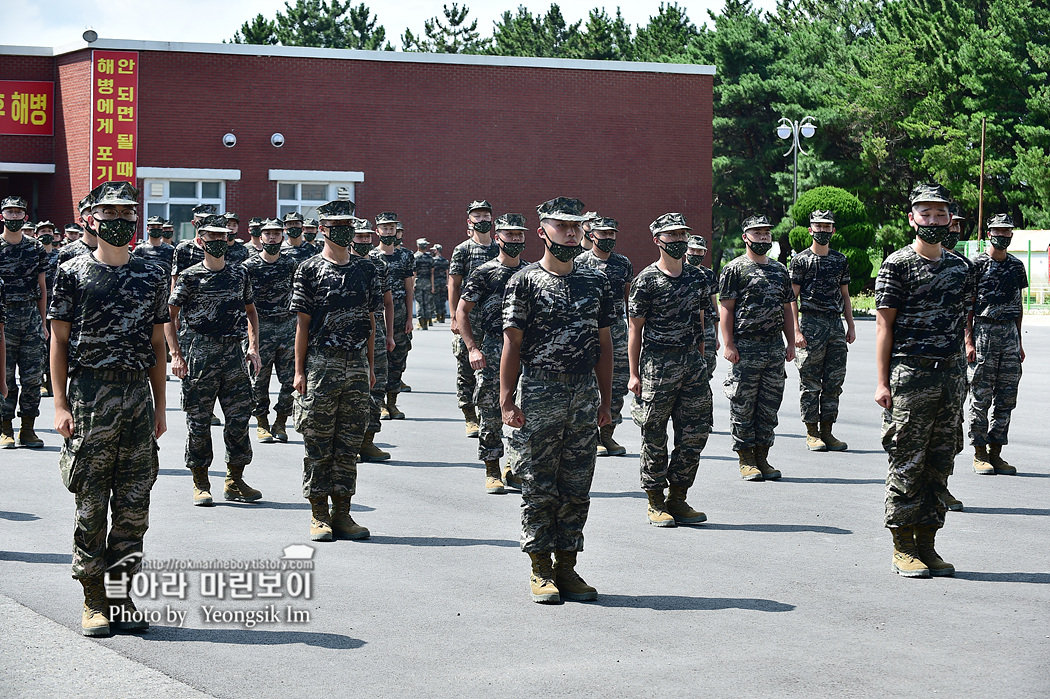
column 919, row 433
column 397, row 360
column 377, row 396
column 621, row 368
column 710, row 351
column 109, row 464
column 424, row 300
column 554, row 454
column 755, row 389
column 276, row 353
column 216, row 369
column 994, row 378
column 332, row 416
column 486, row 401
column 673, row 388
column 441, row 299
column 821, row 367
column 26, row 350
column 466, row 383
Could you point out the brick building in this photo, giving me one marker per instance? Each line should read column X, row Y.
column 419, row 134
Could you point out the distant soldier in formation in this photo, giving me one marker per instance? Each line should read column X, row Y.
column 295, row 247
column 820, row 288
column 407, row 261
column 310, row 236
column 155, row 248
column 694, row 255
column 238, row 252
column 255, row 245
column 440, row 285
column 85, row 243
column 400, row 269
column 994, row 350
column 44, row 233
column 424, row 284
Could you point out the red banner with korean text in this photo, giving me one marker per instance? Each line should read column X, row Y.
column 27, row 108
column 114, row 115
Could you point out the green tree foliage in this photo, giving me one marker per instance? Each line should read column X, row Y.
column 449, row 33
column 854, row 233
column 258, row 31
column 335, row 25
column 668, row 34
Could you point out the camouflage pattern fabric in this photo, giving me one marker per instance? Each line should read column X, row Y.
column 276, row 354
column 999, row 286
column 466, row 257
column 382, row 372
column 237, row 253
column 994, row 378
column 272, row 286
column 26, row 351
column 424, row 294
column 820, row 279
column 673, row 388
column 216, row 369
column 51, row 271
column 332, row 416
column 397, row 360
column 673, row 307
column 710, row 350
column 110, row 465
column 470, row 254
column 618, row 269
column 919, row 433
column 3, row 304
column 621, row 369
column 441, row 266
column 163, row 255
column 298, row 253
column 213, row 303
column 484, row 287
column 466, row 382
column 339, row 300
column 486, row 400
column 821, row 366
column 760, row 292
column 710, row 308
column 755, row 389
column 187, row 254
column 74, row 249
column 20, row 266
column 554, row 455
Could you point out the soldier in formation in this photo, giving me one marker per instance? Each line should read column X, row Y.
column 424, row 284
column 440, row 285
column 694, row 255
column 44, row 233
column 400, row 269
column 295, row 247
column 155, row 248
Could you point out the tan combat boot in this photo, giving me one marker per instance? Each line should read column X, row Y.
column 569, row 583
column 678, row 508
column 93, row 620
column 510, row 480
column 544, row 591
column 830, row 441
column 280, row 427
column 748, row 466
column 951, row 502
column 125, row 616
column 606, row 438
column 201, row 487
column 906, row 560
column 982, row 465
column 493, row 482
column 813, row 440
column 27, row 437
column 343, row 525
column 924, row 540
column 404, row 388
column 600, row 448
column 235, row 487
column 384, row 414
column 320, row 520
column 657, row 511
column 995, row 458
column 472, row 426
column 262, row 430
column 369, row 451
column 762, row 462
column 7, row 434
column 391, row 407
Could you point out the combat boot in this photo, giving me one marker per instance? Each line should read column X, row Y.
column 124, row 616
column 472, row 426
column 510, row 480
column 678, row 508
column 27, row 437
column 569, row 583
column 925, row 534
column 544, row 591
column 906, row 560
column 236, row 489
column 201, row 487
column 813, row 440
column 830, row 441
column 262, row 430
column 7, row 434
column 404, row 388
column 320, row 520
column 657, row 510
column 384, row 414
column 600, row 449
column 93, row 620
column 748, row 467
column 343, row 525
column 951, row 502
column 391, row 407
column 982, row 465
column 994, row 457
column 493, row 482
column 762, row 463
column 606, row 438
column 280, row 427
column 369, row 451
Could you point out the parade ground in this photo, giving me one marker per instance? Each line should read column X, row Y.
column 785, row 591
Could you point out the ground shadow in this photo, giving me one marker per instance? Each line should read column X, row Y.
column 46, row 448
column 433, row 464
column 432, row 393
column 264, row 505
column 667, row 603
column 837, row 481
column 439, row 541
column 1033, row 475
column 18, row 516
column 777, row 528
column 1038, row 512
column 711, row 457
column 435, row 419
column 863, row 451
column 1038, row 578
column 254, row 637
column 187, row 472
column 628, row 494
column 27, row 557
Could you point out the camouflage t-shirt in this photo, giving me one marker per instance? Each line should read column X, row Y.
column 74, row 249
column 671, row 306
column 237, row 253
column 298, row 255
column 338, row 299
column 710, row 308
column 760, row 292
column 163, row 255
column 469, row 254
column 272, row 286
column 187, row 254
column 930, row 298
column 618, row 269
column 422, row 262
column 999, row 286
column 484, row 288
column 111, row 311
column 213, row 303
column 820, row 278
column 20, row 267
column 559, row 317
column 440, row 271
column 400, row 265
column 51, row 271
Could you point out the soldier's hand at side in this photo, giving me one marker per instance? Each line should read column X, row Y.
column 408, row 326
column 800, row 340
column 789, row 355
column 971, row 352
column 512, row 415
column 3, row 387
column 477, row 359
column 883, row 397
column 634, row 385
column 851, row 335
column 371, row 379
column 47, row 333
column 299, row 383
column 64, row 422
column 1022, row 353
column 178, row 367
column 731, row 354
column 160, row 424
column 455, row 325
column 604, row 416
column 254, row 362
column 390, row 344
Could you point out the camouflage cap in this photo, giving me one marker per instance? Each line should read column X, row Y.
column 601, row 223
column 338, row 210
column 511, row 222
column 154, row 221
column 293, row 217
column 438, row 247
column 591, row 216
column 214, row 223
column 168, row 224
column 362, row 224
column 310, row 223
column 114, row 193
column 667, row 223
column 73, row 228
column 479, row 204
column 28, row 226
column 1000, row 221
column 400, row 226
column 202, row 210
column 270, row 224
column 386, row 217
column 45, row 224
column 14, row 203
column 756, row 221
column 956, row 211
column 822, row 216
column 84, row 204
column 697, row 241
column 255, row 222
column 422, row 243
column 230, row 216
column 562, row 209
column 929, row 192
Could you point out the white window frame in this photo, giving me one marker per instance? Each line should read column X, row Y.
column 165, row 176
column 333, row 180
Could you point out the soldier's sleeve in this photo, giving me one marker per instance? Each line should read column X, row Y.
column 62, row 295
column 796, row 270
column 729, row 284
column 473, row 287
column 375, row 289
column 1022, row 276
column 889, row 287
column 789, row 293
column 606, row 316
column 181, row 293
column 845, row 278
column 41, row 260
column 302, row 292
column 458, row 264
column 516, row 303
column 640, row 301
column 160, row 299
column 249, row 289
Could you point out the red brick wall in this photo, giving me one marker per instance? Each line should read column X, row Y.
column 27, row 149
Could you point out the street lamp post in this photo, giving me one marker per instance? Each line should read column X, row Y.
column 791, row 129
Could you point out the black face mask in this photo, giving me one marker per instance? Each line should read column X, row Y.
column 340, row 235
column 254, row 232
column 397, row 242
column 695, row 260
column 117, row 232
column 271, row 248
column 950, row 241
column 758, row 248
column 46, row 239
column 216, row 248
column 293, row 232
column 512, row 249
column 933, row 235
column 167, row 234
column 1000, row 242
column 606, row 245
column 482, row 226
column 362, row 249
column 310, row 236
column 388, row 239
column 676, row 249
column 13, row 225
column 563, row 253
column 822, row 237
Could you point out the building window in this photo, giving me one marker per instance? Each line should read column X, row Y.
column 174, row 200
column 305, row 197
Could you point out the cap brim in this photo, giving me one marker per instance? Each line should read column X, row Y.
column 215, row 229
column 668, row 229
column 113, row 201
column 930, row 200
column 565, row 217
column 999, row 225
column 511, row 228
column 338, row 217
